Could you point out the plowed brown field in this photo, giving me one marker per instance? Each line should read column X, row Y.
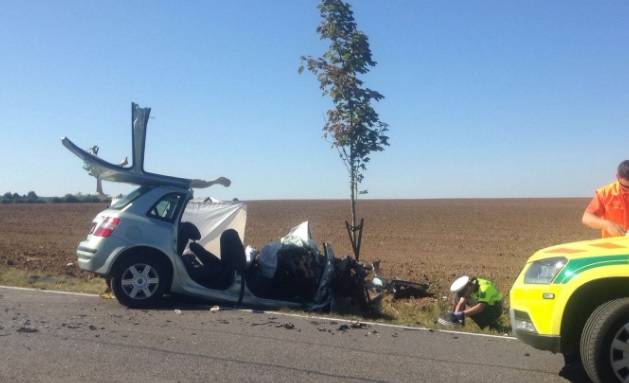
column 438, row 239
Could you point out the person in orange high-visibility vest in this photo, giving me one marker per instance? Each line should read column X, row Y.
column 609, row 209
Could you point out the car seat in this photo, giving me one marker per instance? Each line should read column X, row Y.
column 218, row 273
column 202, row 266
column 187, row 232
column 233, row 260
column 233, row 251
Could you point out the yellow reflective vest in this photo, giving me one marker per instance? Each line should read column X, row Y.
column 487, row 292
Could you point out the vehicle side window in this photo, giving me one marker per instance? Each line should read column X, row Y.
column 167, row 207
column 126, row 200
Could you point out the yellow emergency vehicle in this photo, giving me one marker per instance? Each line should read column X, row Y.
column 574, row 299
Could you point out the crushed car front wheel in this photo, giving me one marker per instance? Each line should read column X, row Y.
column 139, row 281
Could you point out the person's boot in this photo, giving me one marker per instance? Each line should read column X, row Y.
column 450, row 320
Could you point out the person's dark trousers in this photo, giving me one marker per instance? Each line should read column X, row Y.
column 489, row 316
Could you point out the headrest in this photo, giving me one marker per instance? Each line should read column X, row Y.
column 188, row 230
column 232, row 250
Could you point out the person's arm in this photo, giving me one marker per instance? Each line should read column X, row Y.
column 595, row 222
column 460, row 305
column 477, row 308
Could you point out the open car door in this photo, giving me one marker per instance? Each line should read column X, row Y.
column 135, row 174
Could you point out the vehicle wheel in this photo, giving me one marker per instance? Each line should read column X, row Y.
column 140, row 281
column 605, row 342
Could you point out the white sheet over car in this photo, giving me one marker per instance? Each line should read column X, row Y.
column 212, row 219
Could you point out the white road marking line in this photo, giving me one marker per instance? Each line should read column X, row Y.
column 389, row 325
column 48, row 291
column 294, row 315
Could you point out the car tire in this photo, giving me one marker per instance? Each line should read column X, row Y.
column 605, row 342
column 140, row 281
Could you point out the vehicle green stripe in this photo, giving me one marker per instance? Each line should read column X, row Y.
column 577, row 266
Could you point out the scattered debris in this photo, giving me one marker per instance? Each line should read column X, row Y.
column 407, row 289
column 27, row 330
column 401, row 289
column 395, row 335
column 263, row 323
column 527, row 354
column 358, row 324
column 92, row 327
column 372, row 332
column 354, row 325
column 215, row 309
column 288, row 326
column 106, row 295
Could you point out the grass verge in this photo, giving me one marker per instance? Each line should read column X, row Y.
column 409, row 312
column 21, row 278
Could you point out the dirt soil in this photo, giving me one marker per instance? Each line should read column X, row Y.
column 415, row 239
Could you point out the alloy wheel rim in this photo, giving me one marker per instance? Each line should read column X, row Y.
column 619, row 353
column 139, row 281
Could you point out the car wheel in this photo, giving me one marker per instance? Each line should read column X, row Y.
column 140, row 281
column 605, row 342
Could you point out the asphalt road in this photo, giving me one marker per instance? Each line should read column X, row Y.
column 51, row 337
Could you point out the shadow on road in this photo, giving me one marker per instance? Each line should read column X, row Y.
column 574, row 373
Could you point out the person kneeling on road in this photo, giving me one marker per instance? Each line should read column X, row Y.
column 476, row 298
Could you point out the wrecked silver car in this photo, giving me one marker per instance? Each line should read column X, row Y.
column 159, row 240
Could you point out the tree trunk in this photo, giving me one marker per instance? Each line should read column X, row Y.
column 354, row 230
column 353, row 197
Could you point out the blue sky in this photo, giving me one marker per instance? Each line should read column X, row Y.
column 483, row 98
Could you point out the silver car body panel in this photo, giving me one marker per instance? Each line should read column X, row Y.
column 135, row 174
column 137, row 229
